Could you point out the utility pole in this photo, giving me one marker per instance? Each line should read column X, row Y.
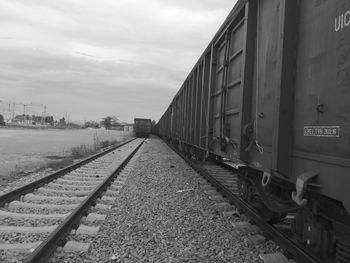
column 13, row 110
column 43, row 115
column 10, row 114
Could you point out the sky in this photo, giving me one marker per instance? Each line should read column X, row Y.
column 88, row 59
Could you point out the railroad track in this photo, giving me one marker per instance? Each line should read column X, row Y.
column 36, row 219
column 224, row 178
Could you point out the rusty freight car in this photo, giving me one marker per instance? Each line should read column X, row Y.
column 142, row 127
column 271, row 92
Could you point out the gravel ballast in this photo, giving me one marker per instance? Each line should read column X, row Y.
column 162, row 214
column 23, row 221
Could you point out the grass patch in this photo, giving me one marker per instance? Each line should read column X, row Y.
column 85, row 150
column 81, row 151
column 56, row 162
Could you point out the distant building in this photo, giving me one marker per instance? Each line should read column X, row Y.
column 122, row 127
column 129, row 127
column 31, row 120
column 92, row 124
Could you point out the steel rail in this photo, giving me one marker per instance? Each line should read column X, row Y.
column 56, row 238
column 16, row 193
column 300, row 254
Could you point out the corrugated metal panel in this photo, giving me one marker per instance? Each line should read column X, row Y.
column 266, row 85
column 204, row 102
column 192, row 105
column 198, row 105
column 321, row 125
column 228, row 88
column 187, row 112
column 322, row 92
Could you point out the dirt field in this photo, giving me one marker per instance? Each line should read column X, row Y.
column 23, row 151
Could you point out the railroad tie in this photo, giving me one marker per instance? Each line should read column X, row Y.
column 274, row 258
column 27, row 229
column 20, row 247
column 5, row 214
column 33, row 197
column 74, row 246
column 18, row 204
column 87, row 230
column 93, row 217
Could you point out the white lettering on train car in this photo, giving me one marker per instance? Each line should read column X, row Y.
column 322, row 131
column 342, row 21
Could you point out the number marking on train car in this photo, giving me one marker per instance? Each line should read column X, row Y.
column 322, row 131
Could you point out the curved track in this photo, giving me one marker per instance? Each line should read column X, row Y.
column 36, row 219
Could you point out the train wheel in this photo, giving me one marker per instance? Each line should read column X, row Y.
column 317, row 234
column 248, row 192
column 243, row 187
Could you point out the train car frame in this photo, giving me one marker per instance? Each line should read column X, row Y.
column 142, row 127
column 270, row 94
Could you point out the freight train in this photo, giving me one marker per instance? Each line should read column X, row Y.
column 271, row 94
column 142, row 127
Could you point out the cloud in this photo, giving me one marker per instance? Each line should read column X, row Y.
column 91, row 58
column 79, row 83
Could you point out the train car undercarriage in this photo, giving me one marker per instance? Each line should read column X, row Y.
column 321, row 224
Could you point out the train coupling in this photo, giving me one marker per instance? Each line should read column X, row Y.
column 300, row 186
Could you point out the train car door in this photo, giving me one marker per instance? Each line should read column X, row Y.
column 231, row 96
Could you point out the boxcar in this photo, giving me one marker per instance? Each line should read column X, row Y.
column 271, row 93
column 142, row 127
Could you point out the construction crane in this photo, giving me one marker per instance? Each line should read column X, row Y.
column 9, row 109
column 6, row 109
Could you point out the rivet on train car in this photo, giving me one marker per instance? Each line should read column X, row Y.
column 320, row 108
